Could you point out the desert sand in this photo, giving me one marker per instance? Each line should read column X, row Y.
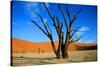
column 25, row 53
column 29, row 59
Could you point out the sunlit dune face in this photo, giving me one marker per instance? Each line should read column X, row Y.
column 22, row 46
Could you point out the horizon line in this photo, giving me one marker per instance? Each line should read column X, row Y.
column 46, row 41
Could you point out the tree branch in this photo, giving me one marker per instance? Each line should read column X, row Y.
column 39, row 27
column 77, row 39
column 42, row 22
column 63, row 16
column 49, row 28
column 75, row 31
column 75, row 16
column 68, row 13
column 55, row 25
column 70, row 25
column 49, row 13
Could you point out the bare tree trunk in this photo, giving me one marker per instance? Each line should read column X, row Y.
column 64, row 52
column 57, row 53
column 59, row 48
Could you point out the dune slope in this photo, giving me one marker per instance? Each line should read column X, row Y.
column 22, row 46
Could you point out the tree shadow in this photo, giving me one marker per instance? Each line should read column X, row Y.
column 31, row 58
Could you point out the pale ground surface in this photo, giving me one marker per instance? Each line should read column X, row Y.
column 20, row 59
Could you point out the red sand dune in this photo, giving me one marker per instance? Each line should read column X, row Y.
column 19, row 45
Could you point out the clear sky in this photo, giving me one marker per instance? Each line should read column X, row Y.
column 23, row 13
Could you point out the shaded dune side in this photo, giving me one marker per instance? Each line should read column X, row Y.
column 23, row 46
column 86, row 47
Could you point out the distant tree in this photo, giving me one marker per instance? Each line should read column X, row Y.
column 23, row 51
column 63, row 41
column 42, row 51
column 39, row 50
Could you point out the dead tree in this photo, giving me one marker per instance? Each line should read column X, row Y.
column 63, row 41
column 69, row 37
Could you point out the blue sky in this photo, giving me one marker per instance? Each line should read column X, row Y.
column 23, row 28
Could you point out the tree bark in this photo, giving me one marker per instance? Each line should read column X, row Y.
column 59, row 49
column 57, row 52
column 64, row 52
